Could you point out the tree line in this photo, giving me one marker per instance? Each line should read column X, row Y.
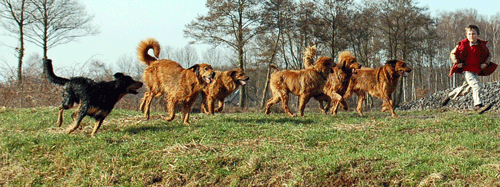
column 262, row 32
column 277, row 32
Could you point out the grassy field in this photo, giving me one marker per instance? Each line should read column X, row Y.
column 425, row 148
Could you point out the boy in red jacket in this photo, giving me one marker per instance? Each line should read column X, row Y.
column 471, row 56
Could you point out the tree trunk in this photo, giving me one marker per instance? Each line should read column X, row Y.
column 268, row 74
column 266, row 85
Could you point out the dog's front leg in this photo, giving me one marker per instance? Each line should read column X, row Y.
column 302, row 104
column 211, row 105
column 388, row 105
column 338, row 100
column 76, row 124
column 221, row 106
column 60, row 117
column 97, row 124
column 359, row 107
column 320, row 98
column 186, row 109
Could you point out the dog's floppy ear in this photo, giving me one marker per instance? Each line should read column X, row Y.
column 392, row 62
column 196, row 69
column 232, row 73
column 118, row 75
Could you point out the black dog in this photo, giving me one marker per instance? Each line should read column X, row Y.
column 96, row 99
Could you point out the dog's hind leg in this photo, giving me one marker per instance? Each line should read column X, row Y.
column 143, row 101
column 270, row 103
column 171, row 109
column 284, row 105
column 97, row 124
column 146, row 104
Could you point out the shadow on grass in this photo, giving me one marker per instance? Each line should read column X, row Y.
column 271, row 120
column 149, row 128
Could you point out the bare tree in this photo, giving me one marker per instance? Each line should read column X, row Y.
column 399, row 24
column 229, row 22
column 276, row 16
column 14, row 11
column 167, row 52
column 58, row 22
column 187, row 56
column 214, row 57
column 130, row 65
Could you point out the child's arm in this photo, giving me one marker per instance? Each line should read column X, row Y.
column 453, row 57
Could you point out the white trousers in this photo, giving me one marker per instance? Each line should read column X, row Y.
column 471, row 82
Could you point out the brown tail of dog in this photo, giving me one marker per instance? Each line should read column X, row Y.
column 309, row 55
column 144, row 46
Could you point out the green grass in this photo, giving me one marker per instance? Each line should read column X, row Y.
column 444, row 148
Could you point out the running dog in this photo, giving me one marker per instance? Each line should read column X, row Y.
column 95, row 99
column 225, row 83
column 169, row 78
column 338, row 81
column 380, row 82
column 305, row 83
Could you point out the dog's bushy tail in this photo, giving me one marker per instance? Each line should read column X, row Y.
column 49, row 73
column 144, row 46
column 309, row 55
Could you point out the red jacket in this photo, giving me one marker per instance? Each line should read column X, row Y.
column 463, row 51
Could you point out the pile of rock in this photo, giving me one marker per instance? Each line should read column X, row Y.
column 490, row 93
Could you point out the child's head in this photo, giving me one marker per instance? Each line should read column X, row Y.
column 472, row 33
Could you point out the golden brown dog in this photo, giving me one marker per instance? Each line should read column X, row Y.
column 225, row 83
column 338, row 81
column 305, row 83
column 180, row 85
column 380, row 82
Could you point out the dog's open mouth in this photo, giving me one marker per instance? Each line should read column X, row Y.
column 133, row 89
column 354, row 71
column 243, row 82
column 208, row 80
column 402, row 73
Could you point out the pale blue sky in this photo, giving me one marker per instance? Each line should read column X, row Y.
column 124, row 23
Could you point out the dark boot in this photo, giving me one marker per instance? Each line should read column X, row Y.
column 481, row 109
column 445, row 101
